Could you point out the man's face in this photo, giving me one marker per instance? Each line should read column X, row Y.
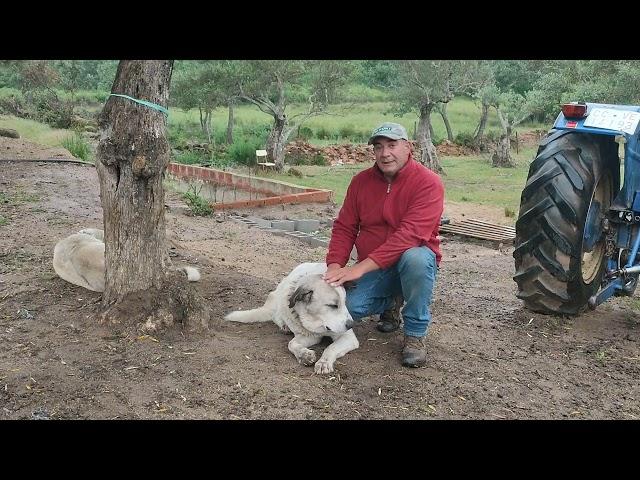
column 391, row 155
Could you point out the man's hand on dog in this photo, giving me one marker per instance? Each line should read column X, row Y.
column 336, row 274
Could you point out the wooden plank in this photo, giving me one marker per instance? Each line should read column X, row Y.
column 472, row 221
column 500, row 228
column 475, row 220
column 473, row 227
column 480, row 229
column 483, row 237
column 485, row 229
column 471, row 231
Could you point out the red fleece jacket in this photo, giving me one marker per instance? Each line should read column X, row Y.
column 385, row 219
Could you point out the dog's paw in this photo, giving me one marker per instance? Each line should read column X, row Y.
column 307, row 358
column 284, row 328
column 323, row 366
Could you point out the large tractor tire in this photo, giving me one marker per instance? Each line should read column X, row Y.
column 559, row 260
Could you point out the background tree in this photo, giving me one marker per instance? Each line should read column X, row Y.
column 132, row 156
column 268, row 85
column 196, row 86
column 422, row 85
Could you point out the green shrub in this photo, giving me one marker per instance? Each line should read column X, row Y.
column 317, row 159
column 243, row 151
column 347, row 131
column 465, row 139
column 361, row 136
column 492, row 136
column 199, row 205
column 362, row 94
column 259, row 131
column 78, row 146
column 13, row 104
column 323, row 133
column 305, row 133
column 189, row 157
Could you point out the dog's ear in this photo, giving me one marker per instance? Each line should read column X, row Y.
column 349, row 284
column 301, row 294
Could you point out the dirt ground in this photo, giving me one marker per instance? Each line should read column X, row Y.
column 488, row 358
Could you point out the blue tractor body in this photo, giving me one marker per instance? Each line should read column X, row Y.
column 578, row 232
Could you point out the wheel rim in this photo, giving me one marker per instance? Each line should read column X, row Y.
column 591, row 261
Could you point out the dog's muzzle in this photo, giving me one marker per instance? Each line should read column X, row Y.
column 349, row 324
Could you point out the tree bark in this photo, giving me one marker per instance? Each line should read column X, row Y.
column 230, row 124
column 277, row 140
column 442, row 110
column 429, row 155
column 478, row 139
column 502, row 155
column 131, row 159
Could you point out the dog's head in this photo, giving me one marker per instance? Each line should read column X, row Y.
column 322, row 308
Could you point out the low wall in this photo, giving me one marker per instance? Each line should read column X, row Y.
column 277, row 192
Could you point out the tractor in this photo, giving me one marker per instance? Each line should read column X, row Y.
column 578, row 229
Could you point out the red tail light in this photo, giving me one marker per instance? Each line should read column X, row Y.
column 574, row 110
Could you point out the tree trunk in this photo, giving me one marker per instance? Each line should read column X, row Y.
column 502, row 155
column 209, row 130
column 131, row 159
column 478, row 139
column 277, row 140
column 230, row 124
column 429, row 156
column 442, row 109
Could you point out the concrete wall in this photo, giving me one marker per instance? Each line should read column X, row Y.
column 278, row 192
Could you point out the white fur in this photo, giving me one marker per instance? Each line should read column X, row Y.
column 311, row 309
column 79, row 259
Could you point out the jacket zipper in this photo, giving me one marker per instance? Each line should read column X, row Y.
column 388, row 187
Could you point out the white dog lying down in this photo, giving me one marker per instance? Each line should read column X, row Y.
column 311, row 309
column 79, row 259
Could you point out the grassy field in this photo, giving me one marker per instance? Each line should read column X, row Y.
column 35, row 131
column 467, row 179
column 348, row 120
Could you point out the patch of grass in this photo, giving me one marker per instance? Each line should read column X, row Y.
column 34, row 131
column 509, row 212
column 467, row 179
column 78, row 146
column 3, row 221
column 18, row 197
column 334, row 178
column 473, row 179
column 199, row 205
column 189, row 158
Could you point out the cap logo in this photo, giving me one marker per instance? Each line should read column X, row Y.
column 382, row 129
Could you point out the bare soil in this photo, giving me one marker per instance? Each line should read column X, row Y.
column 488, row 357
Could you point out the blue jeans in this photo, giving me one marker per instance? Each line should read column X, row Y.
column 413, row 277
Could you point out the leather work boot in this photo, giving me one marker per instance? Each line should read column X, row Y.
column 414, row 353
column 390, row 319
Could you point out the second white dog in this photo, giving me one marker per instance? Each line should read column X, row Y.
column 79, row 259
column 311, row 309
